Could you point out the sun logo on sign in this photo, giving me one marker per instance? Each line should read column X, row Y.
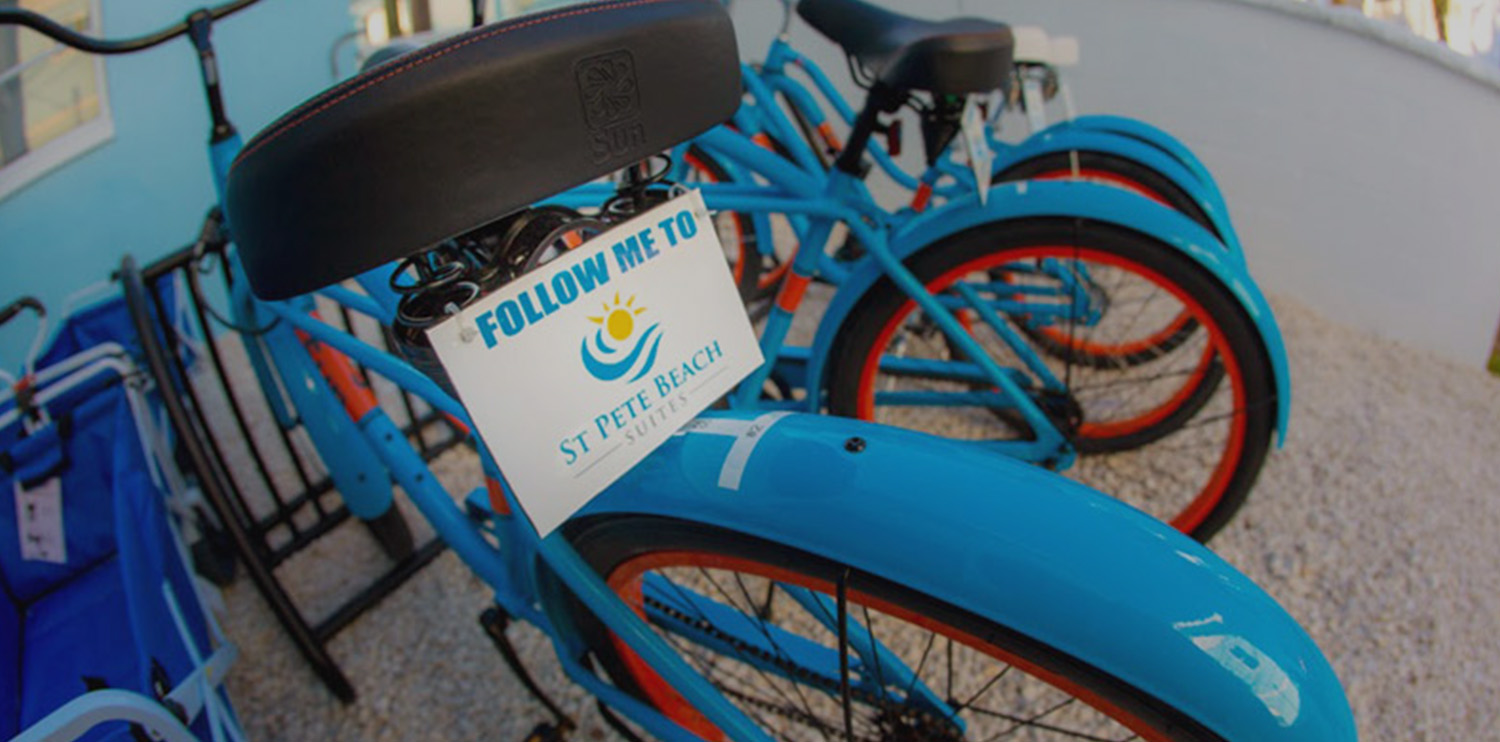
column 606, row 357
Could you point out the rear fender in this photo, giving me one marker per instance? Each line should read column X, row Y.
column 1149, row 134
column 1045, row 556
column 1066, row 138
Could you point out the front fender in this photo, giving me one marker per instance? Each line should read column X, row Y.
column 1070, row 199
column 1065, row 138
column 1048, row 557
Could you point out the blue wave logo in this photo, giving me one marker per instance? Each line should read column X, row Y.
column 617, row 348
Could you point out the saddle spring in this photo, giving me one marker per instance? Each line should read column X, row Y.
column 441, row 281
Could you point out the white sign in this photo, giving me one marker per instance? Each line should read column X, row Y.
column 977, row 146
column 577, row 370
column 39, row 519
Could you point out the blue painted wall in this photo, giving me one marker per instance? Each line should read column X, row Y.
column 145, row 191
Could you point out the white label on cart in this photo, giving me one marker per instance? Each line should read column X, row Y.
column 578, row 370
column 39, row 517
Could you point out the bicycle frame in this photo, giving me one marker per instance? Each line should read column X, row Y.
column 1203, row 637
column 1216, row 642
column 815, row 198
column 947, row 178
column 826, row 198
column 512, row 568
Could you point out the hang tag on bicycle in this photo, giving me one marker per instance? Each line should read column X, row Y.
column 576, row 371
column 39, row 522
column 977, row 146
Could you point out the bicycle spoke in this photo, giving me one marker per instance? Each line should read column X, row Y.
column 856, row 705
column 917, row 674
column 796, row 687
column 880, row 693
column 983, row 689
column 1134, row 380
column 703, row 620
column 1140, row 391
column 780, row 654
column 843, row 624
column 950, row 667
column 1034, row 723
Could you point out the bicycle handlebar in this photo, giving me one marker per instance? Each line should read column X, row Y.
column 64, row 35
column 15, row 308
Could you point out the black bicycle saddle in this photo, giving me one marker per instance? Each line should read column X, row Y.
column 954, row 57
column 451, row 137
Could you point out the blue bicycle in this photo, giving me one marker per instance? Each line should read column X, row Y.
column 1110, row 150
column 1126, row 154
column 862, row 582
column 1065, row 323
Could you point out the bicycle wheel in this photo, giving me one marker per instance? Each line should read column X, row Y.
column 1181, row 436
column 758, row 620
column 1132, row 176
column 755, row 274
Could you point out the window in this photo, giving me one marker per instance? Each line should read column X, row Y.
column 53, row 105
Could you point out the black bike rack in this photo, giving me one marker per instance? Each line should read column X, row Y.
column 262, row 538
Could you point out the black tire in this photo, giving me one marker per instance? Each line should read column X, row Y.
column 1145, row 178
column 998, row 667
column 392, row 533
column 1183, row 438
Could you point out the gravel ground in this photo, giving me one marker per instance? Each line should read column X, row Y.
column 1369, row 526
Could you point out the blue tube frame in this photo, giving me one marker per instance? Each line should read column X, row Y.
column 1176, row 670
column 909, row 231
column 1122, row 137
column 886, row 256
column 1190, row 613
column 506, row 569
column 890, row 239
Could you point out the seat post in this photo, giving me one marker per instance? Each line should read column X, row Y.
column 882, row 99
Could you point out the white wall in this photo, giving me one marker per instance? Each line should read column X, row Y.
column 1362, row 176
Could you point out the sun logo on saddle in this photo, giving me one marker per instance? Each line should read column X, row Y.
column 615, row 347
column 607, row 86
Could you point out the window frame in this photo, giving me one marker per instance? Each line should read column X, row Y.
column 37, row 163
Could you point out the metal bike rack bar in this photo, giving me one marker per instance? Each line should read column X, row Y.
column 267, row 521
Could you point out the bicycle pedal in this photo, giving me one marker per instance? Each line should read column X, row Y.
column 545, row 732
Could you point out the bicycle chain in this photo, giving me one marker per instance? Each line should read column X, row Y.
column 794, row 714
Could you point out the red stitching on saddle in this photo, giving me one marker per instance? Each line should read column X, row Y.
column 434, row 54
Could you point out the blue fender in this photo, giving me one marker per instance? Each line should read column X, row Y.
column 1069, row 199
column 1066, row 138
column 1152, row 135
column 1050, row 558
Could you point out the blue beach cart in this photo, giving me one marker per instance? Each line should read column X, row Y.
column 104, row 631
